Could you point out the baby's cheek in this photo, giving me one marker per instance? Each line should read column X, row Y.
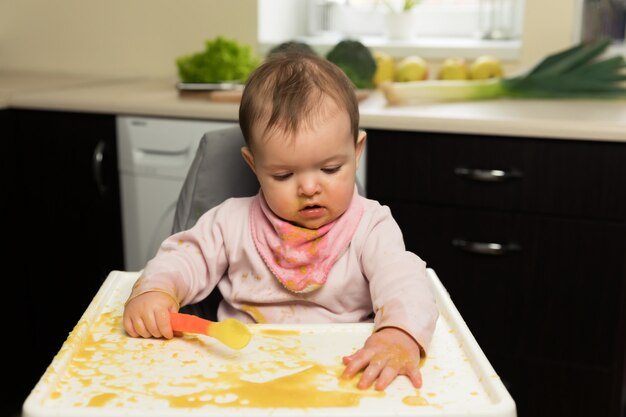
column 281, row 204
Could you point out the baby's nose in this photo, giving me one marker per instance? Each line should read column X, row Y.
column 308, row 185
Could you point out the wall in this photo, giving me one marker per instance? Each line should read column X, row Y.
column 116, row 37
column 144, row 37
column 549, row 26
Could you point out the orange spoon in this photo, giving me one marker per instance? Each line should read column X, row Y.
column 231, row 332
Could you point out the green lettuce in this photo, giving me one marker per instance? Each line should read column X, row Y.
column 222, row 60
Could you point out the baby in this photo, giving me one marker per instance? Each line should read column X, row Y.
column 307, row 248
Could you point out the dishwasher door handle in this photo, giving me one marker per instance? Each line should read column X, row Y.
column 162, row 158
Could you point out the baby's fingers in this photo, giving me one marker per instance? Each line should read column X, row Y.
column 415, row 375
column 163, row 323
column 355, row 362
column 158, row 324
column 139, row 328
column 129, row 327
column 386, row 377
column 371, row 374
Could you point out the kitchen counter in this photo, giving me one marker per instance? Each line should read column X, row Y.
column 562, row 119
column 13, row 84
column 135, row 97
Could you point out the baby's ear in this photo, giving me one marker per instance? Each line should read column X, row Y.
column 360, row 145
column 248, row 157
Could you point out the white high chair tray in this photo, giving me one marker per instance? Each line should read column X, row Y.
column 286, row 370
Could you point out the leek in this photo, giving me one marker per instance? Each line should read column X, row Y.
column 577, row 72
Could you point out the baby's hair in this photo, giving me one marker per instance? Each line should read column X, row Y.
column 285, row 93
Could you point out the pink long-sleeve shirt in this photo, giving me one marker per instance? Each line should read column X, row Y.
column 374, row 274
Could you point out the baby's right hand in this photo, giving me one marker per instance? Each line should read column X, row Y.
column 148, row 315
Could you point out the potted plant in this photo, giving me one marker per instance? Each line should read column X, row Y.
column 400, row 19
column 407, row 5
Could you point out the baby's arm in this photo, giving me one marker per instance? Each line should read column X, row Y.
column 185, row 270
column 148, row 315
column 406, row 312
column 386, row 354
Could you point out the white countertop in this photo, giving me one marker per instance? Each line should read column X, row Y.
column 13, row 84
column 563, row 119
column 136, row 97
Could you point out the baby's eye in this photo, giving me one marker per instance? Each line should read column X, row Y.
column 331, row 170
column 281, row 177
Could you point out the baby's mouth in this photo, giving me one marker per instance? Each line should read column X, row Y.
column 312, row 210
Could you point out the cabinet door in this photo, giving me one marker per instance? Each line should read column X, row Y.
column 15, row 326
column 557, row 389
column 485, row 284
column 70, row 221
column 10, row 164
column 575, row 329
column 557, row 177
column 576, row 291
column 541, row 295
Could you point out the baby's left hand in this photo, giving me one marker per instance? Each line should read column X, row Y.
column 386, row 354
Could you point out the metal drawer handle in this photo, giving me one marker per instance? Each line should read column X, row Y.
column 487, row 175
column 485, row 248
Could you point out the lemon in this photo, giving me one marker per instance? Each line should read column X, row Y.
column 412, row 68
column 385, row 68
column 453, row 69
column 485, row 67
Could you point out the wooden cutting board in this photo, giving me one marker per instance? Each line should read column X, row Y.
column 226, row 96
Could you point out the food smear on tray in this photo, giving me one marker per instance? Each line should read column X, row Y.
column 285, row 369
column 286, row 379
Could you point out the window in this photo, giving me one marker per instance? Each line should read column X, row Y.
column 434, row 18
column 442, row 28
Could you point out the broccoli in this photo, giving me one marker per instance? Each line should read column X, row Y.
column 222, row 60
column 356, row 60
column 292, row 46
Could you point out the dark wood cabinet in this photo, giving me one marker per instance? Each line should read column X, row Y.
column 68, row 222
column 529, row 238
column 16, row 299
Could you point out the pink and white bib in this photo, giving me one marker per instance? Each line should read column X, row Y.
column 301, row 258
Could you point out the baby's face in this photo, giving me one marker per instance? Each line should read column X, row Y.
column 309, row 179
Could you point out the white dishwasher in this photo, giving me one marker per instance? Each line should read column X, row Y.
column 154, row 155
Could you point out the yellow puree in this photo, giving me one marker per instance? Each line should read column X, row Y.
column 223, row 389
column 231, row 332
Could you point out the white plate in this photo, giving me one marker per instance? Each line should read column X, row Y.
column 223, row 86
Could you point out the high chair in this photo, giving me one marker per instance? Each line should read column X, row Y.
column 217, row 173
